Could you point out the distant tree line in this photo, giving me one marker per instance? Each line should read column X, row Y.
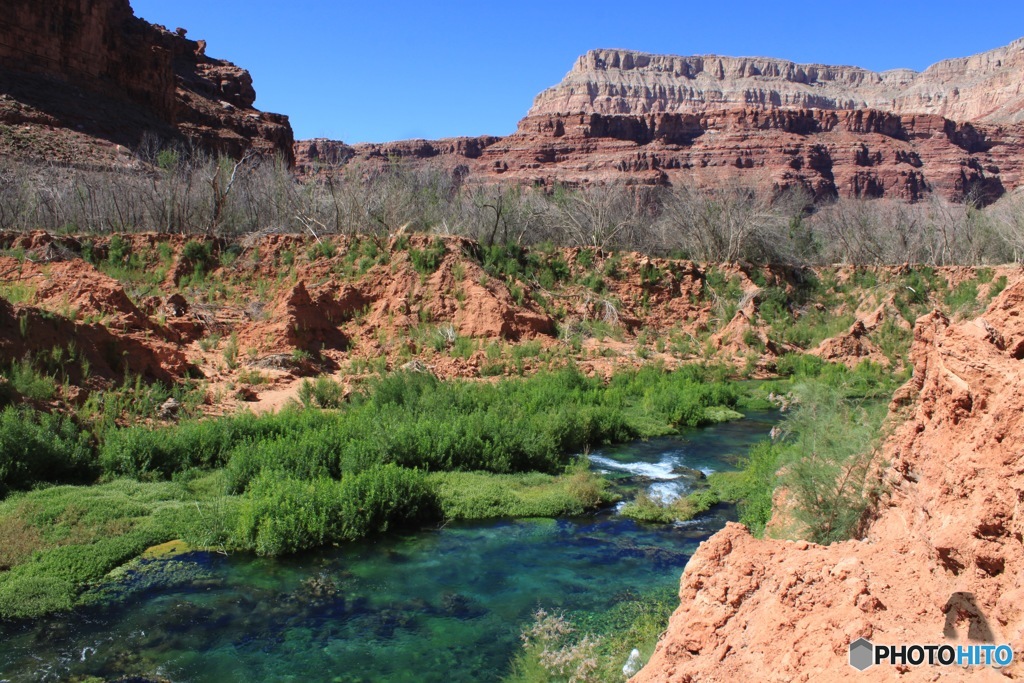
column 184, row 191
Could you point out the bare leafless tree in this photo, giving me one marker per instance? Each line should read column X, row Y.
column 731, row 223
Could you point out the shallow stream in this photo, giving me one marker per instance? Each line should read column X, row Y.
column 438, row 605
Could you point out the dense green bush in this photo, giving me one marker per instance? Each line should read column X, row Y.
column 39, row 447
column 755, row 485
column 307, row 454
column 200, row 256
column 283, row 514
column 148, row 453
column 26, row 380
column 417, row 421
column 323, row 392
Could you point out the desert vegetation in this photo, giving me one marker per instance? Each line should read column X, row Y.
column 823, row 449
column 306, row 477
column 625, row 338
column 186, row 191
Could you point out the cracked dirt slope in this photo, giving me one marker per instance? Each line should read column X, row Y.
column 951, row 522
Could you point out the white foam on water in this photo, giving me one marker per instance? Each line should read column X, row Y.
column 690, row 522
column 666, row 492
column 652, row 470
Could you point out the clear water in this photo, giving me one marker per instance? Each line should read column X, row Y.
column 439, row 605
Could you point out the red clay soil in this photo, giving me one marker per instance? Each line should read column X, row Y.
column 283, row 308
column 771, row 610
column 75, row 305
column 851, row 347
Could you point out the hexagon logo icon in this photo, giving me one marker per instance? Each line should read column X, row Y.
column 862, row 654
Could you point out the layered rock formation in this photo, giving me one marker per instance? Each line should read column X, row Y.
column 80, row 77
column 942, row 561
column 859, row 153
column 629, row 117
column 985, row 88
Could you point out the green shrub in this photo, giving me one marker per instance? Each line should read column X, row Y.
column 29, row 382
column 827, row 460
column 426, row 261
column 324, row 392
column 756, row 485
column 384, row 497
column 644, row 508
column 963, row 298
column 39, row 447
column 307, row 454
column 893, row 340
column 799, row 365
column 997, row 287
column 118, row 250
column 147, row 453
column 322, row 249
column 283, row 515
column 464, row 347
column 415, row 420
column 200, row 256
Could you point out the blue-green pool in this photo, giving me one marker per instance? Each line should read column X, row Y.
column 439, row 605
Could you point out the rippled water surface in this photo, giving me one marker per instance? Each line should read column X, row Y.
column 440, row 605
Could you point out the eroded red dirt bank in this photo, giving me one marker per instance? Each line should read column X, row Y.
column 951, row 522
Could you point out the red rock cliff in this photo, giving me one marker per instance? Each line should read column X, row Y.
column 628, row 117
column 951, row 523
column 985, row 87
column 93, row 67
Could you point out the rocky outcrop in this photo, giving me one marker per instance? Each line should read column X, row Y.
column 73, row 69
column 626, row 117
column 850, row 348
column 322, row 153
column 863, row 153
column 296, row 321
column 942, row 560
column 982, row 88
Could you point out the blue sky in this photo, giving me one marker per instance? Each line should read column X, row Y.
column 388, row 69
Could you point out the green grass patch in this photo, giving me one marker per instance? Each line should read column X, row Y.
column 407, row 450
column 480, row 495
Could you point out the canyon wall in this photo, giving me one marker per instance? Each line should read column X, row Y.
column 81, row 71
column 985, row 88
column 861, row 153
column 626, row 117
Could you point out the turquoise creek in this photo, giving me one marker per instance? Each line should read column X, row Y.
column 439, row 605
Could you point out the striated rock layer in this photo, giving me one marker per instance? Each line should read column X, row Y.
column 986, row 87
column 864, row 153
column 81, row 76
column 942, row 561
column 634, row 118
